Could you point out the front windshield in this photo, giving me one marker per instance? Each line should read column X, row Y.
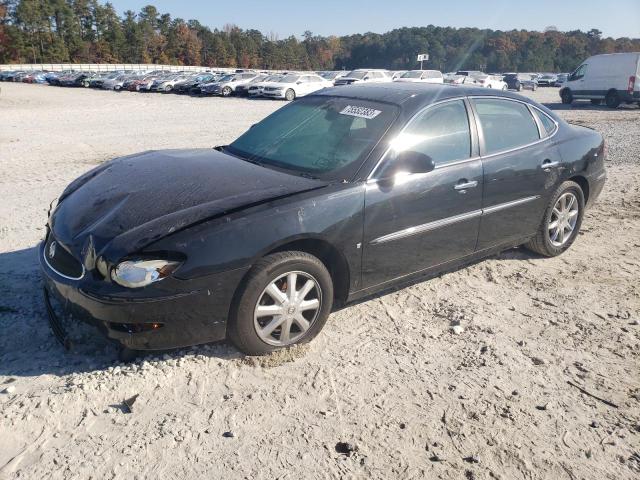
column 318, row 135
column 355, row 74
column 416, row 74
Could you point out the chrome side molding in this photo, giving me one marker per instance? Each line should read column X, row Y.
column 426, row 227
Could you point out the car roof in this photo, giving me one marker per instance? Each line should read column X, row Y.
column 412, row 95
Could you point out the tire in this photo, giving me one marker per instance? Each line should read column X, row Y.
column 505, row 88
column 534, row 88
column 226, row 91
column 290, row 95
column 612, row 99
column 595, row 101
column 543, row 243
column 566, row 96
column 274, row 271
column 519, row 87
column 167, row 89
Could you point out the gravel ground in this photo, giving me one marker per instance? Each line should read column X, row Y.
column 387, row 390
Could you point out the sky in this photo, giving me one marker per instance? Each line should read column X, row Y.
column 615, row 18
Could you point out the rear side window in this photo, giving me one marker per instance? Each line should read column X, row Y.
column 548, row 125
column 440, row 132
column 505, row 124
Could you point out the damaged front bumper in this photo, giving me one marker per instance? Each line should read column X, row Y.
column 195, row 313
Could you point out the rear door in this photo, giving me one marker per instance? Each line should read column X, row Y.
column 417, row 221
column 521, row 166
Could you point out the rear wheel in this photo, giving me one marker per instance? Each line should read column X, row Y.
column 534, row 88
column 290, row 94
column 612, row 99
column 519, row 87
column 561, row 222
column 285, row 300
column 566, row 96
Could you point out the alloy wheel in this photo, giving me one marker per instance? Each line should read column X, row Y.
column 564, row 217
column 287, row 308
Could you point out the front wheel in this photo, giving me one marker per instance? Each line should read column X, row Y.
column 285, row 300
column 226, row 91
column 519, row 88
column 566, row 96
column 561, row 222
column 290, row 95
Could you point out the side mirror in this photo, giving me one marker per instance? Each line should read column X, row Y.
column 365, row 78
column 408, row 162
column 298, row 82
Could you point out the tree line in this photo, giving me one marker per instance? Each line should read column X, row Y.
column 89, row 31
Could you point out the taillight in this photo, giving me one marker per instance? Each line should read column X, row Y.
column 632, row 83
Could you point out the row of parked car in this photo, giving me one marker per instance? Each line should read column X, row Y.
column 283, row 85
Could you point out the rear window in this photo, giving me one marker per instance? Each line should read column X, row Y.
column 505, row 124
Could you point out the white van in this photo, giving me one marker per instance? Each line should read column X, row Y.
column 613, row 77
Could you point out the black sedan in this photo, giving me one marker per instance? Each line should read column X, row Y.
column 521, row 81
column 339, row 195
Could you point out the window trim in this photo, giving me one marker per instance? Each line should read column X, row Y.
column 483, row 153
column 473, row 132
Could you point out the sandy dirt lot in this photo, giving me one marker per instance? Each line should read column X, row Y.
column 413, row 399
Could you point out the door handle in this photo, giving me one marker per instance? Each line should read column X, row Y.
column 547, row 164
column 465, row 184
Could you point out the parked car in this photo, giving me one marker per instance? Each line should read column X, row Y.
column 73, row 80
column 295, row 85
column 421, row 76
column 613, row 78
column 362, row 75
column 257, row 89
column 547, row 80
column 165, row 84
column 561, row 79
column 339, row 195
column 227, row 84
column 520, row 81
column 243, row 90
column 115, row 83
column 187, row 85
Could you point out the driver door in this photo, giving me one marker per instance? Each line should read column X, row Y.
column 414, row 221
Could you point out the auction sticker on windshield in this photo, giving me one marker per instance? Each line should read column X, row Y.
column 362, row 112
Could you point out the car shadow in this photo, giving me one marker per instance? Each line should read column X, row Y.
column 27, row 344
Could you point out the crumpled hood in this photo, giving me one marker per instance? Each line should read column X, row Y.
column 130, row 202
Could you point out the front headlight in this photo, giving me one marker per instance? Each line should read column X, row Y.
column 140, row 273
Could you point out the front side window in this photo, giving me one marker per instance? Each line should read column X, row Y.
column 579, row 73
column 441, row 132
column 505, row 124
column 319, row 135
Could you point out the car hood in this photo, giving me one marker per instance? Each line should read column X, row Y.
column 124, row 205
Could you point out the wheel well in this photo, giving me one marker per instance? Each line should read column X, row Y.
column 584, row 185
column 612, row 90
column 332, row 259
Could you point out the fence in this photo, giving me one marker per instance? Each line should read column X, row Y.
column 107, row 67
